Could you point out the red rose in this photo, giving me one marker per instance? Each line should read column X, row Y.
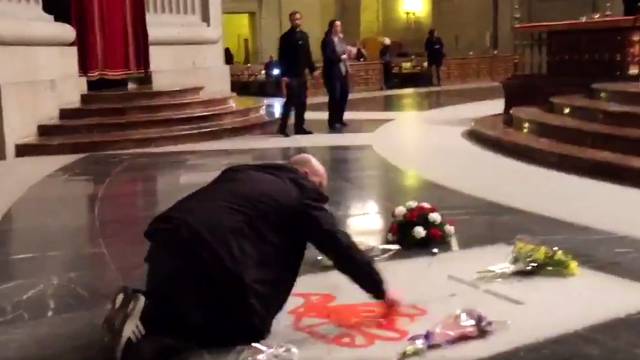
column 412, row 215
column 435, row 234
column 393, row 229
column 421, row 210
column 425, row 210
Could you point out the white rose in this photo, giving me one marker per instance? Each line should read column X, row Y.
column 419, row 232
column 390, row 237
column 399, row 212
column 425, row 205
column 411, row 204
column 435, row 218
column 449, row 230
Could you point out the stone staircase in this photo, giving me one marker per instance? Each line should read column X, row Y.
column 596, row 135
column 119, row 120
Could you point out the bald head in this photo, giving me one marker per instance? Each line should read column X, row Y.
column 311, row 168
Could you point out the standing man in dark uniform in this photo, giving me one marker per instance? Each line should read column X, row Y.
column 631, row 7
column 434, row 47
column 294, row 55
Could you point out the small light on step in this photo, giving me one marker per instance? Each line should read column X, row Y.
column 566, row 110
column 525, row 127
column 603, row 95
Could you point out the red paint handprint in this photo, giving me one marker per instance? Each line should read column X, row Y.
column 351, row 325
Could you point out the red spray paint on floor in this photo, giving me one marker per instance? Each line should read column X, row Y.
column 351, row 325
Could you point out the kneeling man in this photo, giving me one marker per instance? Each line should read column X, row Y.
column 223, row 260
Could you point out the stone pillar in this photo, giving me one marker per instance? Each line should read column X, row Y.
column 38, row 71
column 179, row 22
column 186, row 49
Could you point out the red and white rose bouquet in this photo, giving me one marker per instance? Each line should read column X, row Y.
column 420, row 225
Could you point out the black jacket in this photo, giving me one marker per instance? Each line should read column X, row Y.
column 294, row 54
column 254, row 221
column 434, row 47
column 331, row 60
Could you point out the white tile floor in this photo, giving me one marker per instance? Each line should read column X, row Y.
column 544, row 313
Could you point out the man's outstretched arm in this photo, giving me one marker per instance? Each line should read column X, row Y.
column 338, row 246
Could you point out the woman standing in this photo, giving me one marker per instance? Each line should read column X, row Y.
column 335, row 72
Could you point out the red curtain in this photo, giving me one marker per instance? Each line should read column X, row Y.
column 112, row 38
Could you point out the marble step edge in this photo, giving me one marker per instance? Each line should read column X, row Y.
column 583, row 101
column 137, row 109
column 491, row 133
column 157, row 138
column 538, row 115
column 135, row 122
column 139, row 96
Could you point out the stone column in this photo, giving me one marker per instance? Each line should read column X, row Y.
column 175, row 22
column 38, row 71
column 185, row 46
column 24, row 23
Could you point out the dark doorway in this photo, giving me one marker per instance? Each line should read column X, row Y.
column 59, row 9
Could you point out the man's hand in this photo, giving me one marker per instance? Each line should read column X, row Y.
column 392, row 303
column 283, row 82
column 316, row 75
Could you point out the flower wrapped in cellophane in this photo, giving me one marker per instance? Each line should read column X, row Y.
column 531, row 259
column 464, row 325
column 262, row 352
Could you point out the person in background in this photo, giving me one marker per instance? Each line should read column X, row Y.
column 631, row 7
column 434, row 47
column 272, row 68
column 387, row 66
column 294, row 56
column 223, row 261
column 335, row 72
column 361, row 53
column 228, row 56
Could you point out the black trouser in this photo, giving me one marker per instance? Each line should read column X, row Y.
column 387, row 71
column 296, row 89
column 193, row 304
column 437, row 77
column 338, row 91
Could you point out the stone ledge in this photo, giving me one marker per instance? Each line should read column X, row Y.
column 183, row 35
column 35, row 33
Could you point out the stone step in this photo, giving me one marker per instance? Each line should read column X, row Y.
column 600, row 111
column 133, row 123
column 618, row 92
column 176, row 106
column 600, row 164
column 124, row 140
column 577, row 132
column 142, row 95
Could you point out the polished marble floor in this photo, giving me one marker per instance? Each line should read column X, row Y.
column 73, row 238
column 418, row 101
column 76, row 235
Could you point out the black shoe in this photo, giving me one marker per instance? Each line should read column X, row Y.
column 333, row 128
column 343, row 124
column 303, row 131
column 122, row 322
column 283, row 132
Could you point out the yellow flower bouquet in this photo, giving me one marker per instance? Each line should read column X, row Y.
column 530, row 259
